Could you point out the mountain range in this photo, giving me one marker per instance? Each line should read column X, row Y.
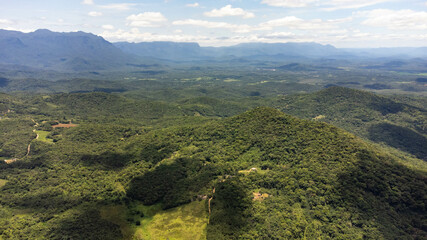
column 82, row 52
column 43, row 49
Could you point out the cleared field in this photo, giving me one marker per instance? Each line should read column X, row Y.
column 43, row 135
column 151, row 222
column 185, row 222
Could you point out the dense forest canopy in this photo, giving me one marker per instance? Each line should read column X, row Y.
column 110, row 166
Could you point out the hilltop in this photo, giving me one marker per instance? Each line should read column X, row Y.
column 75, row 51
column 274, row 175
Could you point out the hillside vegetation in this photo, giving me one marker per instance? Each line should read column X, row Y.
column 164, row 140
column 395, row 122
column 315, row 181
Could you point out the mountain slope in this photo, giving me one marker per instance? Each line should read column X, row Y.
column 306, row 50
column 162, row 50
column 268, row 175
column 371, row 116
column 316, row 180
column 75, row 51
column 253, row 51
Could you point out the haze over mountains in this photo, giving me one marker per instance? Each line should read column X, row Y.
column 79, row 51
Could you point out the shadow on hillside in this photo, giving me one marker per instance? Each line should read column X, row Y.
column 387, row 195
column 172, row 184
column 154, row 186
column 387, row 107
column 231, row 208
column 50, row 200
column 85, row 223
column 401, row 138
column 107, row 160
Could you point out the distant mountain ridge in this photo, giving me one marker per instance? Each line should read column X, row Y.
column 191, row 51
column 80, row 52
column 75, row 51
column 162, row 50
column 403, row 52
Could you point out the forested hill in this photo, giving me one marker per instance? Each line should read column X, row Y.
column 393, row 121
column 269, row 176
column 320, row 181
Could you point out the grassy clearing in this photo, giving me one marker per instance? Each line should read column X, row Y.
column 256, row 83
column 231, row 80
column 151, row 222
column 185, row 222
column 51, row 105
column 43, row 136
column 2, row 182
column 250, row 171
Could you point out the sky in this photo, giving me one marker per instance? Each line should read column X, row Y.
column 341, row 23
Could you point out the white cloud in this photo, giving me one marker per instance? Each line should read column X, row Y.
column 333, row 5
column 146, row 19
column 289, row 3
column 193, row 4
column 330, row 5
column 395, row 19
column 270, row 38
column 26, row 30
column 290, row 22
column 207, row 24
column 280, row 35
column 5, row 21
column 348, row 39
column 118, row 6
column 88, row 2
column 229, row 11
column 134, row 35
column 108, row 27
column 293, row 22
column 95, row 14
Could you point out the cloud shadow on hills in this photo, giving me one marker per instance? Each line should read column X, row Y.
column 387, row 194
column 401, row 138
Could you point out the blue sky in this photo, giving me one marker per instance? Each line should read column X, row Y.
column 342, row 23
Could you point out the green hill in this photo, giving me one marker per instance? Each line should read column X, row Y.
column 395, row 123
column 320, row 181
column 268, row 175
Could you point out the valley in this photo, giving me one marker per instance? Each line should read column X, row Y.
column 297, row 141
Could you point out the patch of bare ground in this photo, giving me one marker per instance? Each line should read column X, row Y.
column 9, row 161
column 64, row 125
column 260, row 196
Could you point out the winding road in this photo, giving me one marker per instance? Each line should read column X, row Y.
column 209, row 202
column 9, row 161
